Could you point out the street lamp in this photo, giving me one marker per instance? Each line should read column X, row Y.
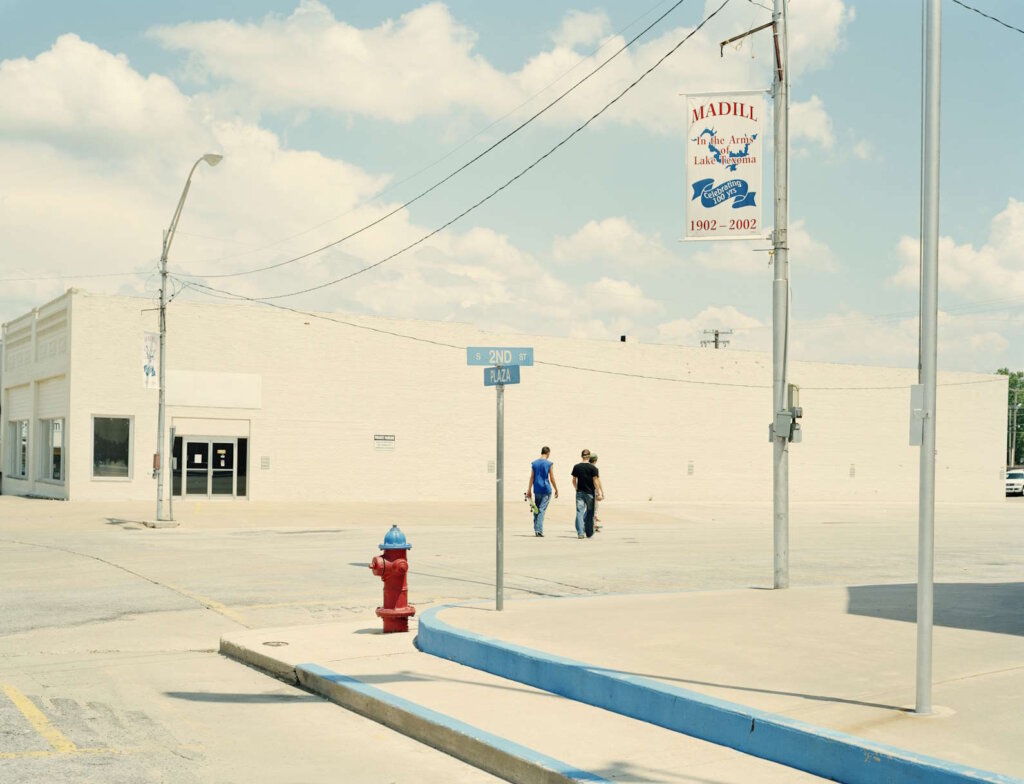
column 212, row 159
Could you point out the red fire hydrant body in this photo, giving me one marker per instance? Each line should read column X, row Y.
column 392, row 567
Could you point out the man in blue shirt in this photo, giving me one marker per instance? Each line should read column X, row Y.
column 542, row 482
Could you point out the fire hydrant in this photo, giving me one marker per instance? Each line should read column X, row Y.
column 391, row 567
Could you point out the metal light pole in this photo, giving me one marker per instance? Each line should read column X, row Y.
column 929, row 344
column 780, row 298
column 212, row 159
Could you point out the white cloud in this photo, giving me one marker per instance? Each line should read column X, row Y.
column 689, row 332
column 608, row 295
column 965, row 341
column 611, row 239
column 425, row 63
column 809, row 120
column 83, row 97
column 805, row 253
column 421, row 64
column 863, row 150
column 994, row 270
column 581, row 28
column 816, row 31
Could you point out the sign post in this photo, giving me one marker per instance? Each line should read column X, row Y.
column 505, row 364
column 499, row 560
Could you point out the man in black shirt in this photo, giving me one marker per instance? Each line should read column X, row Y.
column 588, row 487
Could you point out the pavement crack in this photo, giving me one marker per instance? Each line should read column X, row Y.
column 209, row 604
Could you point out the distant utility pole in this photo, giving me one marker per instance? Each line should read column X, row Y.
column 715, row 340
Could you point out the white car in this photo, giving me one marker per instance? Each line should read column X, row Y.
column 1015, row 481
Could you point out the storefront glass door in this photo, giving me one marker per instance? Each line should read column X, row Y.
column 197, row 468
column 222, row 472
column 212, row 467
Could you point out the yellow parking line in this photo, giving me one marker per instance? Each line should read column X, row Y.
column 39, row 722
column 79, row 751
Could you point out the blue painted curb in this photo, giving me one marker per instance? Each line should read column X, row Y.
column 816, row 750
column 461, row 736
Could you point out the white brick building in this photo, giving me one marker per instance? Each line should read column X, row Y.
column 270, row 405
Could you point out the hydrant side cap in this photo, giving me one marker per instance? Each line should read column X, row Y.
column 395, row 540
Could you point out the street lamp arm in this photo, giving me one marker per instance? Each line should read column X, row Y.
column 169, row 234
column 210, row 158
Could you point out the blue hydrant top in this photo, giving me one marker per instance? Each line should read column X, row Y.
column 395, row 540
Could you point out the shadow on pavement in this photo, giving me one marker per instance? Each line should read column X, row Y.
column 737, row 687
column 983, row 607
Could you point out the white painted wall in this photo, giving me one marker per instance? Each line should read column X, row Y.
column 35, row 387
column 326, row 388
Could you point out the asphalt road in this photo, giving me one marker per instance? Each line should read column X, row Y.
column 109, row 630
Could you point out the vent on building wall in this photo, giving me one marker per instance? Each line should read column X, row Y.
column 265, row 463
column 853, row 471
column 689, row 468
column 490, row 466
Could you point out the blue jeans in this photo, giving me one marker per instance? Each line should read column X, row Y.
column 542, row 500
column 584, row 514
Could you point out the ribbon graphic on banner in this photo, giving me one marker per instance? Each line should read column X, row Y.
column 712, row 195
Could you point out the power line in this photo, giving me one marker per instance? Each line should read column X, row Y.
column 393, row 186
column 210, row 291
column 70, row 276
column 989, row 16
column 500, row 188
column 457, row 171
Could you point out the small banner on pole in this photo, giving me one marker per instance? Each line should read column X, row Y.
column 723, row 166
column 150, row 360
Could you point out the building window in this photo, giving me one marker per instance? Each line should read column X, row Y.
column 51, row 436
column 18, row 432
column 111, row 447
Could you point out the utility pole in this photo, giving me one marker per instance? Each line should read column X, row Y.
column 780, row 302
column 715, row 341
column 932, row 35
column 786, row 409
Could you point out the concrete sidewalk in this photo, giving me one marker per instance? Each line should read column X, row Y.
column 840, row 659
column 514, row 731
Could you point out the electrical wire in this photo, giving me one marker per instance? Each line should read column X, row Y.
column 500, row 188
column 393, row 186
column 210, row 291
column 989, row 16
column 457, row 171
column 51, row 276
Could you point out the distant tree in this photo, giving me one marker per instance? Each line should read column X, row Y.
column 1015, row 395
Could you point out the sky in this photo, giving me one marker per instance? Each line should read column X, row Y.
column 331, row 115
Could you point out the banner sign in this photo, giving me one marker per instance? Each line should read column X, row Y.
column 723, row 166
column 150, row 359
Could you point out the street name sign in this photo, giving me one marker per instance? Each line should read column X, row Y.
column 499, row 355
column 501, row 375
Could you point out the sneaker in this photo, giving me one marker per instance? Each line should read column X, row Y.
column 581, row 536
column 537, row 533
